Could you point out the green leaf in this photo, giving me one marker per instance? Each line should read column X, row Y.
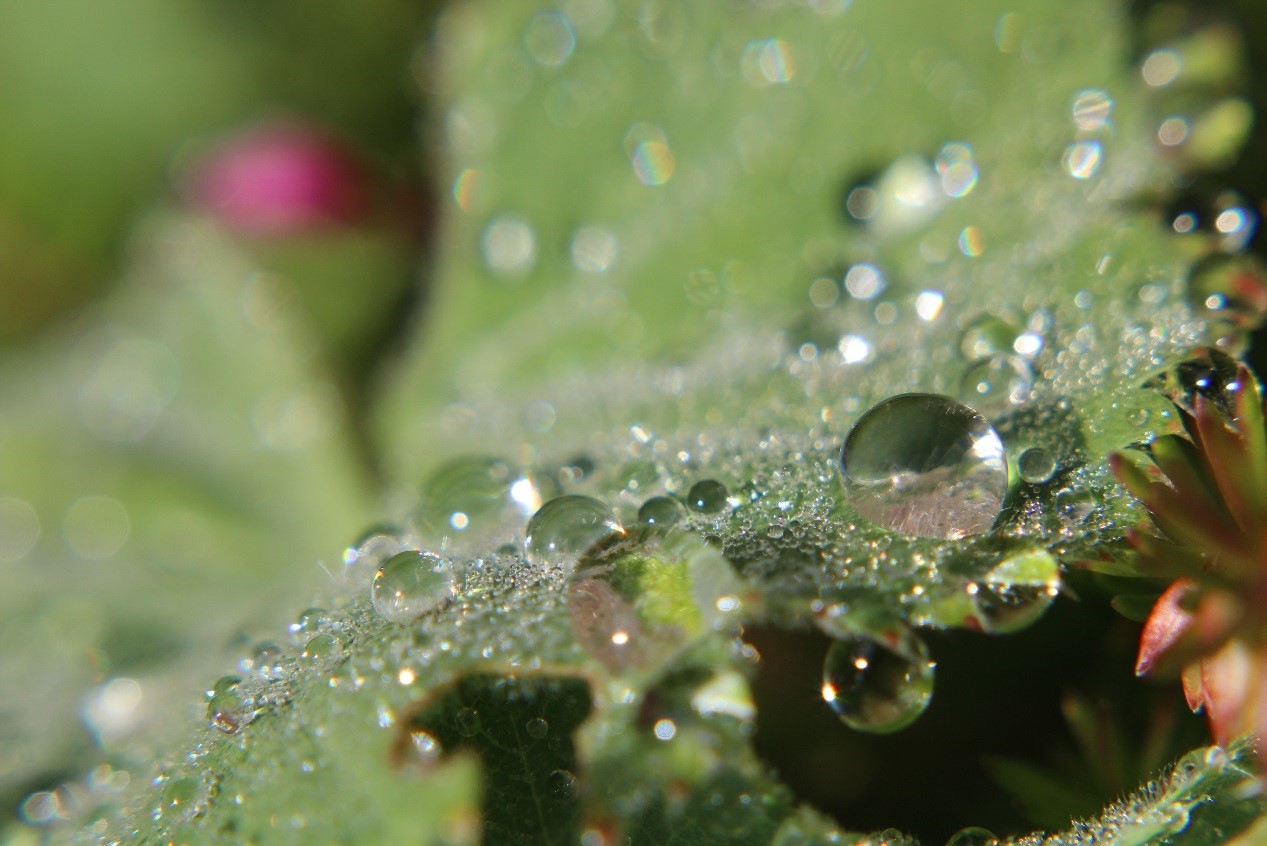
column 628, row 304
column 141, row 538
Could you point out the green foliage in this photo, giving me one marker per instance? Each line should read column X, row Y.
column 640, row 285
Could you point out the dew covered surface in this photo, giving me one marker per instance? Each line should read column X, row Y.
column 823, row 210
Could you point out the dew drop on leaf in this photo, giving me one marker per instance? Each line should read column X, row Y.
column 1232, row 291
column 1036, row 466
column 179, row 799
column 660, row 511
column 973, row 836
column 423, row 751
column 878, row 681
column 636, row 599
column 362, row 559
column 987, row 337
column 604, row 624
column 707, row 496
column 473, row 492
column 566, row 526
column 229, row 710
column 925, row 465
column 537, row 728
column 268, row 660
column 309, row 621
column 1017, row 592
column 323, row 650
column 561, row 786
column 223, row 684
column 998, row 382
column 409, row 584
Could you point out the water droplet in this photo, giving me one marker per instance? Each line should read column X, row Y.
column 308, row 622
column 998, row 382
column 509, row 246
column 424, row 750
column 537, row 728
column 561, row 786
column 661, row 511
column 925, row 465
column 649, row 154
column 1017, row 592
column 409, row 584
column 468, row 722
column 566, row 526
column 639, row 598
column 958, row 170
column 1082, row 159
column 864, row 281
column 908, row 195
column 878, row 681
column 362, row 559
column 323, row 650
column 550, row 37
column 1092, row 108
column 707, row 496
column 604, row 624
column 223, row 684
column 1036, row 466
column 1231, row 290
column 268, row 660
column 594, row 249
column 229, row 710
column 973, row 836
column 475, row 492
column 19, row 529
column 768, row 62
column 1161, row 67
column 987, row 337
column 1209, row 373
column 179, row 799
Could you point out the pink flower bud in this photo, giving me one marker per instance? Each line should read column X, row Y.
column 278, row 179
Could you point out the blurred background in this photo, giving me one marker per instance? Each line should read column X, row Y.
column 215, row 222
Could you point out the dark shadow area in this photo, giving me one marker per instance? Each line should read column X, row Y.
column 995, row 697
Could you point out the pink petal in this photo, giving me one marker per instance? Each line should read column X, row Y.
column 1227, row 677
column 1165, row 623
column 278, row 179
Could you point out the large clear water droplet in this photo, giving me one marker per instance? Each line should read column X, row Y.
column 925, row 465
column 878, row 681
column 409, row 584
column 566, row 526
